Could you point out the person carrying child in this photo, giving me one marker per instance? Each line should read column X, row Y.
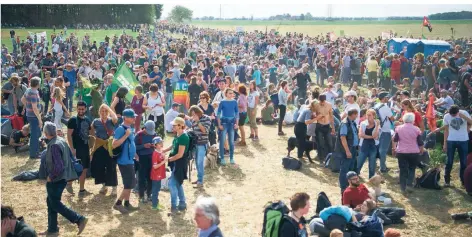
column 158, row 171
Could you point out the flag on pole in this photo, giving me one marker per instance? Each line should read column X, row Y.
column 430, row 113
column 427, row 23
column 125, row 77
column 332, row 36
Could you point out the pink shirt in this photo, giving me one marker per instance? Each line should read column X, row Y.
column 407, row 138
column 242, row 101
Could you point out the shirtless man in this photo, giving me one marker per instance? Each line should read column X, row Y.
column 323, row 138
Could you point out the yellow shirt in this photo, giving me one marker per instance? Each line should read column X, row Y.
column 372, row 66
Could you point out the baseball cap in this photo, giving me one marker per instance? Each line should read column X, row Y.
column 383, row 95
column 351, row 174
column 178, row 121
column 150, row 127
column 157, row 140
column 129, row 113
column 175, row 105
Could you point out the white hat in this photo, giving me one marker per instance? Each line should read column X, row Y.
column 350, row 93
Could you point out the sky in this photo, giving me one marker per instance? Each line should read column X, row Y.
column 338, row 10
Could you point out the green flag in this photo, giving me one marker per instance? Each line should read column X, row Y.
column 423, row 37
column 125, row 77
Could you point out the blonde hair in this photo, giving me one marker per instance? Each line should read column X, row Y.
column 59, row 94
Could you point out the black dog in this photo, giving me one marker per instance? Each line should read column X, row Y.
column 307, row 147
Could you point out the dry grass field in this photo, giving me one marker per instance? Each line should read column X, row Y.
column 241, row 194
column 441, row 29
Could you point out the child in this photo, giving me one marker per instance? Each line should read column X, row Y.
column 158, row 172
column 59, row 108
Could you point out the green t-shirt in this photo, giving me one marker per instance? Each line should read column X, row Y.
column 267, row 113
column 182, row 140
column 109, row 93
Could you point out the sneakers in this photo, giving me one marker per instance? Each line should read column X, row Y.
column 121, row 209
column 143, row 200
column 173, row 212
column 131, row 208
column 49, row 234
column 241, row 144
column 82, row 223
column 251, row 136
column 222, row 162
column 158, row 208
column 447, row 185
column 69, row 189
column 256, row 138
column 409, row 190
column 281, row 134
column 182, row 208
column 149, row 198
column 103, row 190
column 84, row 193
column 385, row 170
column 198, row 185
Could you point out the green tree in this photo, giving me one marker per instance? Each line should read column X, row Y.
column 180, row 13
column 158, row 10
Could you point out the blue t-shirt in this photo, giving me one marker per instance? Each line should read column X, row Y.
column 71, row 75
column 305, row 114
column 158, row 79
column 228, row 109
column 129, row 147
column 343, row 132
column 169, row 85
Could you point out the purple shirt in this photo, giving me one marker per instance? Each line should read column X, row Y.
column 58, row 167
column 406, row 136
column 242, row 101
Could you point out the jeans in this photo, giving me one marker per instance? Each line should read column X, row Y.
column 301, row 94
column 144, row 180
column 347, row 164
column 156, row 188
column 55, row 206
column 372, row 155
column 283, row 110
column 228, row 130
column 70, row 97
column 407, row 163
column 201, row 152
column 323, row 140
column 169, row 100
column 462, row 149
column 176, row 193
column 300, row 130
column 35, row 133
column 384, row 145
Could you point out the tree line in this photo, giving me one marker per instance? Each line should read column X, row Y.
column 47, row 15
column 463, row 15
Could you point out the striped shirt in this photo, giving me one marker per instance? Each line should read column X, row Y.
column 202, row 136
column 31, row 96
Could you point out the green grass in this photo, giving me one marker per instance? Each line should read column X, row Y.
column 95, row 35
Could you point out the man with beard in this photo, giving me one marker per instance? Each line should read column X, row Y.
column 78, row 129
column 356, row 193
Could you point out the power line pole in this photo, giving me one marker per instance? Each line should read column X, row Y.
column 220, row 13
column 330, row 9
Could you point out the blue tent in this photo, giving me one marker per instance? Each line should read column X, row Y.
column 413, row 46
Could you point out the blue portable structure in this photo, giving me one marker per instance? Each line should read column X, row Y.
column 413, row 46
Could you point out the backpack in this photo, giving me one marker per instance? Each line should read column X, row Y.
column 119, row 149
column 370, row 226
column 274, row 213
column 352, row 63
column 333, row 162
column 291, row 163
column 377, row 111
column 322, row 202
column 430, row 179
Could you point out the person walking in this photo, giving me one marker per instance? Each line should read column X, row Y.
column 78, row 130
column 103, row 166
column 60, row 170
column 407, row 145
column 124, row 138
column 178, row 159
column 200, row 125
column 33, row 115
column 227, row 117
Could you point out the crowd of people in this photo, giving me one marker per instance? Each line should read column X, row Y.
column 205, row 86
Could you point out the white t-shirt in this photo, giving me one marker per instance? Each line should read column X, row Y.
column 348, row 106
column 251, row 99
column 385, row 113
column 449, row 102
column 169, row 117
column 457, row 127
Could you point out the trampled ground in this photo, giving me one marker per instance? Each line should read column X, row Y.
column 241, row 194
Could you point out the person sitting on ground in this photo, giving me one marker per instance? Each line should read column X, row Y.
column 15, row 226
column 268, row 114
column 207, row 217
column 293, row 223
column 18, row 139
column 356, row 193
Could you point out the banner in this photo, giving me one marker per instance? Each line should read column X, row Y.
column 125, row 77
column 38, row 36
column 332, row 36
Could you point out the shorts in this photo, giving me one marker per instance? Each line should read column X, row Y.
column 242, row 119
column 128, row 176
column 83, row 155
